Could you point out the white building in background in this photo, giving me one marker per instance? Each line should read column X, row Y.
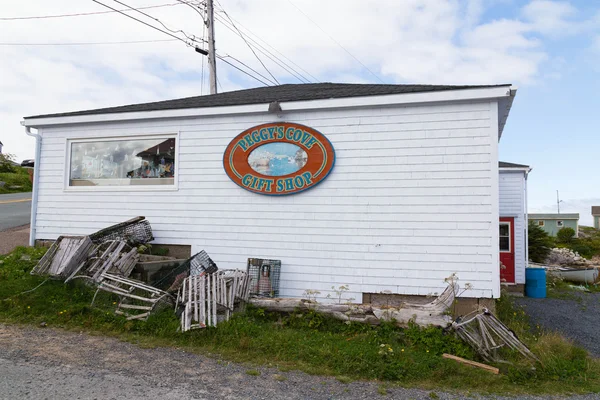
column 413, row 196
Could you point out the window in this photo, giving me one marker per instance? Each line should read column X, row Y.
column 560, row 223
column 122, row 162
column 505, row 237
column 540, row 223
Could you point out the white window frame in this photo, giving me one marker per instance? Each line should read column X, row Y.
column 541, row 223
column 123, row 188
column 509, row 236
column 562, row 222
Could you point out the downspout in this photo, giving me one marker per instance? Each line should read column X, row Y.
column 36, row 178
column 526, row 222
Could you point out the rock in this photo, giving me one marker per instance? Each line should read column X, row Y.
column 564, row 256
column 43, row 324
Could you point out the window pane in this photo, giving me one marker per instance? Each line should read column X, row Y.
column 559, row 223
column 504, row 244
column 541, row 223
column 504, row 230
column 123, row 162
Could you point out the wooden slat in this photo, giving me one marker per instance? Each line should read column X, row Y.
column 135, row 307
column 489, row 368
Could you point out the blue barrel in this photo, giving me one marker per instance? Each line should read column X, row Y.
column 535, row 282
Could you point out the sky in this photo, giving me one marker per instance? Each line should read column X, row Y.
column 550, row 50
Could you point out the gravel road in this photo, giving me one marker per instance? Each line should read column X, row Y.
column 577, row 318
column 53, row 364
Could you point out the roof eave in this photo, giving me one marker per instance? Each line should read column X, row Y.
column 519, row 169
column 504, row 107
column 498, row 92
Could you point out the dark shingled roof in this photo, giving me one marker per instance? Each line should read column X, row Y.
column 595, row 210
column 503, row 164
column 264, row 95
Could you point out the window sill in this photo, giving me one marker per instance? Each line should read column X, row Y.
column 92, row 189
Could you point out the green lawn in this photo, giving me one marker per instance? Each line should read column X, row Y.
column 307, row 341
column 18, row 178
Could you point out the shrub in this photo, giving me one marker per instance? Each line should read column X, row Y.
column 6, row 163
column 565, row 235
column 586, row 247
column 539, row 243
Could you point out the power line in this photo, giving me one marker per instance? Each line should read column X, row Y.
column 82, row 14
column 194, row 8
column 145, row 23
column 336, row 42
column 250, row 68
column 241, row 70
column 267, row 53
column 295, row 73
column 156, row 19
column 86, row 43
column 248, row 44
column 180, row 39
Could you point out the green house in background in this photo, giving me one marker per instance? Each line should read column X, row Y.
column 552, row 223
column 596, row 215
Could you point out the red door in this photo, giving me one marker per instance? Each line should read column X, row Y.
column 507, row 250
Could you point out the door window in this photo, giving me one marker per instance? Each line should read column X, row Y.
column 504, row 237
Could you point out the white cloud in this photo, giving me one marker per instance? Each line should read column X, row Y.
column 596, row 44
column 420, row 41
column 550, row 17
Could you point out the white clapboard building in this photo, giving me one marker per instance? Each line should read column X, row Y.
column 383, row 188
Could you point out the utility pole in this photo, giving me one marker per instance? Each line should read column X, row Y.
column 212, row 60
column 558, row 201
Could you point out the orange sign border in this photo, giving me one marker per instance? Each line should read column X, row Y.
column 320, row 152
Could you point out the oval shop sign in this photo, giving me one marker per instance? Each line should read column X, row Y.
column 278, row 158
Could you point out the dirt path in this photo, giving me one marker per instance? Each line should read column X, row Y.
column 13, row 237
column 52, row 364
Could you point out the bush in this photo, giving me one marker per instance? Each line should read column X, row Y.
column 18, row 178
column 565, row 235
column 6, row 163
column 539, row 243
column 586, row 247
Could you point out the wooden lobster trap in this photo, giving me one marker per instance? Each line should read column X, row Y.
column 211, row 298
column 64, row 257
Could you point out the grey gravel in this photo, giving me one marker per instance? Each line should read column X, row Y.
column 576, row 317
column 53, row 364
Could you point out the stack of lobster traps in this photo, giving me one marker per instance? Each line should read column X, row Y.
column 202, row 295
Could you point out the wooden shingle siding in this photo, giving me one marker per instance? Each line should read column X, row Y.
column 410, row 200
column 512, row 204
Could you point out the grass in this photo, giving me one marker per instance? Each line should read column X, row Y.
column 18, row 178
column 306, row 341
column 344, row 379
column 557, row 288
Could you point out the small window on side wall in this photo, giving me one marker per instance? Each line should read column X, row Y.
column 541, row 223
column 143, row 161
column 560, row 223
